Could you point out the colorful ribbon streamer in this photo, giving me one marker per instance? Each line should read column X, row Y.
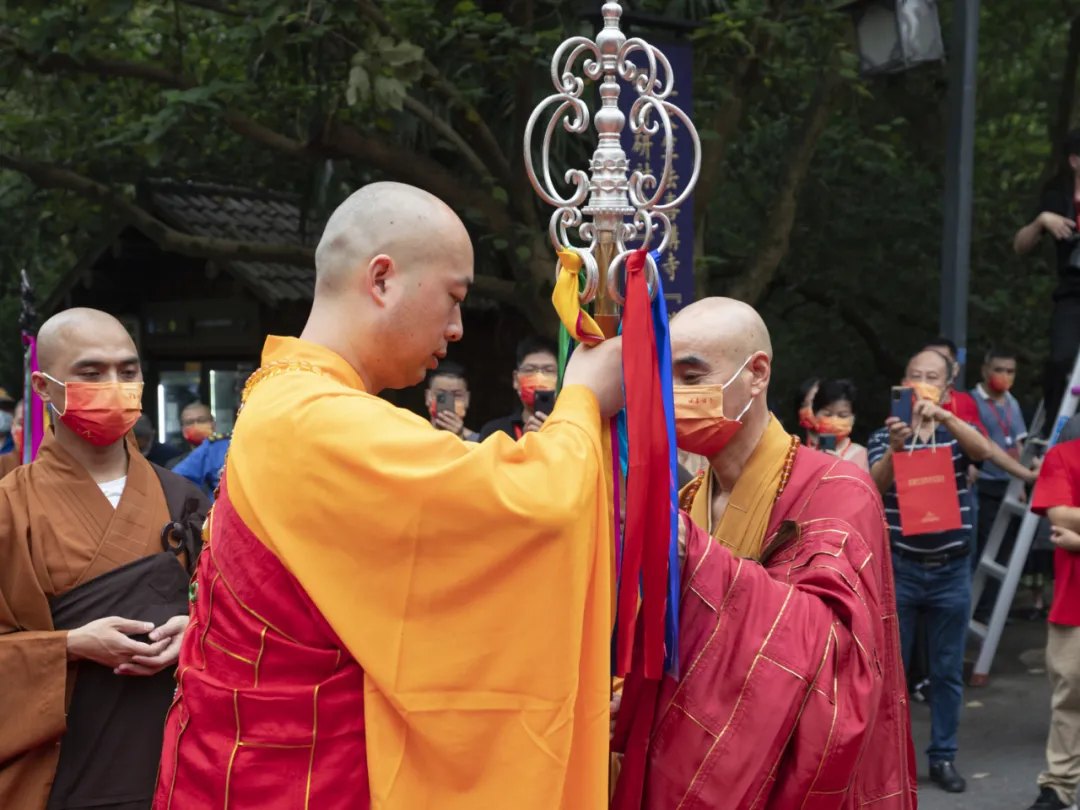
column 647, row 532
column 578, row 323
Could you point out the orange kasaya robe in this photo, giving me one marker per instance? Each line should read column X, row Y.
column 792, row 692
column 389, row 617
column 58, row 531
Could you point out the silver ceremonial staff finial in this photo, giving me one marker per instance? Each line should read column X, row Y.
column 621, row 206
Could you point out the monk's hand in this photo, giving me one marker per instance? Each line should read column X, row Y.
column 166, row 649
column 899, row 433
column 616, row 701
column 108, row 641
column 600, row 370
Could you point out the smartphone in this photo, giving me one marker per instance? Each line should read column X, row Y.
column 827, row 441
column 544, row 402
column 444, row 401
column 903, row 400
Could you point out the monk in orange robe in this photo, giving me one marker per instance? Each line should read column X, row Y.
column 387, row 616
column 791, row 691
column 9, row 461
column 92, row 604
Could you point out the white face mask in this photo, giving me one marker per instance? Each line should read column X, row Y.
column 5, row 422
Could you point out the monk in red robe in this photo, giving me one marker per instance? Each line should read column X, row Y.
column 790, row 691
column 387, row 616
column 93, row 601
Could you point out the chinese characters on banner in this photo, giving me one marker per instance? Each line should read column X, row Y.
column 646, row 154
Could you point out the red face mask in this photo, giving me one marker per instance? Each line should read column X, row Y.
column 197, row 434
column 1000, row 383
column 101, row 413
column 529, row 384
column 806, row 418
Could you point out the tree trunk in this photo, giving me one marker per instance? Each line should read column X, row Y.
column 1062, row 123
column 774, row 242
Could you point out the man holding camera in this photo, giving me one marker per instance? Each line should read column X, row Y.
column 447, row 400
column 1058, row 216
column 535, row 377
column 932, row 570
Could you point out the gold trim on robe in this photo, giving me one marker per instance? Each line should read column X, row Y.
column 746, row 518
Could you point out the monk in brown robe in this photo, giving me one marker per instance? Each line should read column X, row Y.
column 9, row 461
column 94, row 544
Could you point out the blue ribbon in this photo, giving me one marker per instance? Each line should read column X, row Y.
column 663, row 352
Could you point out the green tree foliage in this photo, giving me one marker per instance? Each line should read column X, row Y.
column 819, row 201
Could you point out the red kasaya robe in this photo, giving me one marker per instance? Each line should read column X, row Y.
column 792, row 692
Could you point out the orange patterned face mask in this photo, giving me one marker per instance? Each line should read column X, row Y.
column 100, row 413
column 927, row 391
column 839, row 426
column 529, row 384
column 700, row 424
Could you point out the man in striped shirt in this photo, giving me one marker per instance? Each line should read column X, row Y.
column 932, row 571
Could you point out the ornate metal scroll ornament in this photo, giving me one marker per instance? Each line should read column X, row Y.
column 613, row 194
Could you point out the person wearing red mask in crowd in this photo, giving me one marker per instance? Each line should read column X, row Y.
column 933, row 569
column 9, row 461
column 537, row 370
column 791, row 690
column 202, row 465
column 93, row 593
column 1001, row 415
column 447, row 400
column 834, row 415
column 1057, row 497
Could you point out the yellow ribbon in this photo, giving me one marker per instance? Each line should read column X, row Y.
column 577, row 321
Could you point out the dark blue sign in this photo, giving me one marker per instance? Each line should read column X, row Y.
column 646, row 154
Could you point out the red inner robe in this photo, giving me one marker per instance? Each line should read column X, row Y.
column 792, row 692
column 277, row 690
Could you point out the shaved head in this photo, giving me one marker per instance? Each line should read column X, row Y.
column 402, row 222
column 65, row 332
column 391, row 270
column 721, row 331
column 721, row 342
column 83, row 345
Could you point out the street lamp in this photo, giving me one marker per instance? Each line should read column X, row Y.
column 895, row 35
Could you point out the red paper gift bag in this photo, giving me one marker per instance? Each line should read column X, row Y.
column 926, row 490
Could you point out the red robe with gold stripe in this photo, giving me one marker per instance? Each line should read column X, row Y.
column 276, row 692
column 792, row 692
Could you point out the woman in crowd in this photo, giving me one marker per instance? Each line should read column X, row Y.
column 834, row 415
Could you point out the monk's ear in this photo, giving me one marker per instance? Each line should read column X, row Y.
column 40, row 386
column 761, row 367
column 380, row 271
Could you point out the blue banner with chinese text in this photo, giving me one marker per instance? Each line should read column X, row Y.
column 646, row 154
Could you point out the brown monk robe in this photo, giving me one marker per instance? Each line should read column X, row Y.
column 83, row 568
column 9, row 461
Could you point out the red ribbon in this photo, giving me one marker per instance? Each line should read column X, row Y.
column 648, row 509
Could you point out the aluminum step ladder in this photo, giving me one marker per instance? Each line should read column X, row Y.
column 1013, row 507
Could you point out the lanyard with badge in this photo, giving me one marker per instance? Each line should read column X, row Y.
column 1006, row 428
